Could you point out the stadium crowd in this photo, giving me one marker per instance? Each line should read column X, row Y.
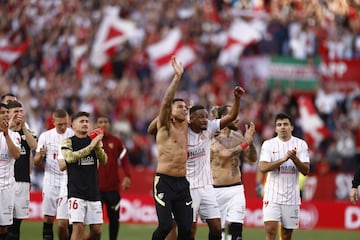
column 55, row 72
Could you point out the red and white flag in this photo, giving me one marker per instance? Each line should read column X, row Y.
column 112, row 33
column 240, row 34
column 160, row 54
column 313, row 126
column 9, row 54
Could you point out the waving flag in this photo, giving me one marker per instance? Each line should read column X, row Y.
column 113, row 32
column 9, row 54
column 160, row 54
column 313, row 126
column 241, row 34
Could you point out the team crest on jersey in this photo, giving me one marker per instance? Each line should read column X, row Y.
column 111, row 145
column 160, row 195
column 202, row 137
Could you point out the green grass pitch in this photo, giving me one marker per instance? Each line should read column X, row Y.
column 33, row 231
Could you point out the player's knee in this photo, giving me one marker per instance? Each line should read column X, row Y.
column 165, row 228
column 286, row 233
column 185, row 231
column 62, row 224
column 215, row 228
column 271, row 230
column 95, row 233
column 113, row 214
column 215, row 232
column 193, row 229
column 235, row 230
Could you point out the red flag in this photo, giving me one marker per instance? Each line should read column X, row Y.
column 160, row 54
column 9, row 54
column 112, row 33
column 240, row 35
column 314, row 128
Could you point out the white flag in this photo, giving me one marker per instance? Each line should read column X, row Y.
column 9, row 54
column 312, row 125
column 160, row 54
column 112, row 33
column 241, row 34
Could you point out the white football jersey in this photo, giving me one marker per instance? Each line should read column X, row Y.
column 282, row 184
column 52, row 140
column 6, row 160
column 198, row 168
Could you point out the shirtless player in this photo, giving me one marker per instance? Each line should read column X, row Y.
column 228, row 148
column 171, row 189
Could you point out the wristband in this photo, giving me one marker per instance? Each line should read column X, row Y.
column 244, row 145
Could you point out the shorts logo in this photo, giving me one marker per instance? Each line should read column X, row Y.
column 160, row 195
column 266, row 203
column 188, row 203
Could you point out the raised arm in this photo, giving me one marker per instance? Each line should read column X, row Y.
column 39, row 155
column 250, row 154
column 14, row 149
column 165, row 109
column 234, row 110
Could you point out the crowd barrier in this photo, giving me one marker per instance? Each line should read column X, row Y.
column 325, row 202
column 139, row 208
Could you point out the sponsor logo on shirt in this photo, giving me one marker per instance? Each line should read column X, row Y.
column 86, row 161
column 5, row 157
column 287, row 169
column 196, row 153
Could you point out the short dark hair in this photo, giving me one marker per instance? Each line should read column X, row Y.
column 283, row 115
column 195, row 108
column 79, row 114
column 102, row 116
column 223, row 110
column 7, row 95
column 14, row 104
column 59, row 113
column 3, row 105
column 178, row 100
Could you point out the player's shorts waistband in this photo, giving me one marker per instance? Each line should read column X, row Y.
column 230, row 185
column 172, row 177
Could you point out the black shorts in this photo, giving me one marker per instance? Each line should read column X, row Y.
column 173, row 200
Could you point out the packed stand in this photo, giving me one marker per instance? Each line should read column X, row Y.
column 55, row 72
